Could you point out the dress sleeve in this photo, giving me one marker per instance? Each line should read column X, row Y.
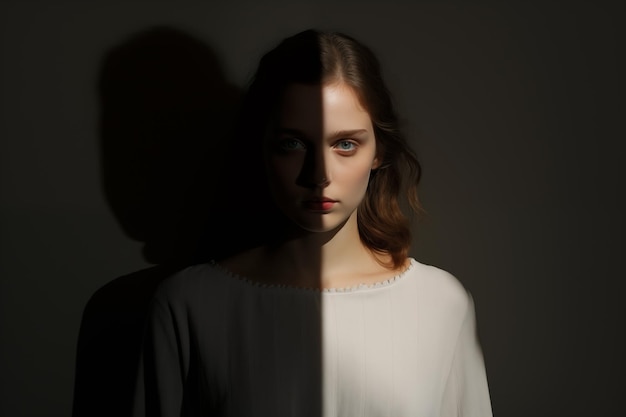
column 466, row 393
column 162, row 369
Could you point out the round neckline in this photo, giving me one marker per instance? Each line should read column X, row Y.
column 335, row 290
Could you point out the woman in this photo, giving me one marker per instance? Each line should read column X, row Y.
column 327, row 316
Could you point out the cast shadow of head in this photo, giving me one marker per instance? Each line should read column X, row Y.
column 166, row 114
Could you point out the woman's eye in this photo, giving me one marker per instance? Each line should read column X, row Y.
column 345, row 146
column 291, row 145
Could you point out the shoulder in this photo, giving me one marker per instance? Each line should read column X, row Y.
column 439, row 282
column 441, row 291
column 197, row 283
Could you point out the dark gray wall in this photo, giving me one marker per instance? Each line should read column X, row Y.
column 516, row 112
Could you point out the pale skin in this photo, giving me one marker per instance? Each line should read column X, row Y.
column 323, row 147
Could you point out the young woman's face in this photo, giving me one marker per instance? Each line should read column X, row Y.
column 320, row 155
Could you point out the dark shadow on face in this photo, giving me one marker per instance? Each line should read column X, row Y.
column 294, row 157
column 166, row 112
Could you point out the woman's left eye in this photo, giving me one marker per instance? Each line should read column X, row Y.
column 345, row 146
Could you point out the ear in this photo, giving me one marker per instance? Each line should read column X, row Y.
column 376, row 163
column 378, row 158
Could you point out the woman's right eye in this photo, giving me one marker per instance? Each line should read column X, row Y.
column 291, row 144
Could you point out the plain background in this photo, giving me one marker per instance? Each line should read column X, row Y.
column 516, row 112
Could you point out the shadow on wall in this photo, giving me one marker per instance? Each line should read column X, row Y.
column 166, row 114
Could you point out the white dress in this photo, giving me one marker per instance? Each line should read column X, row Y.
column 218, row 344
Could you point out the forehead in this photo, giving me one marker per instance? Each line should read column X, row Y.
column 322, row 108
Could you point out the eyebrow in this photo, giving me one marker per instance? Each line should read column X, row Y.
column 337, row 134
column 348, row 133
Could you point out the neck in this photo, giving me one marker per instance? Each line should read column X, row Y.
column 322, row 260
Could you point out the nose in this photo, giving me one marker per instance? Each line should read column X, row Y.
column 314, row 173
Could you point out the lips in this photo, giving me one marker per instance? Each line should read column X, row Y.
column 320, row 204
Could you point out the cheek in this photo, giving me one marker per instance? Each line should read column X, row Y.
column 356, row 177
column 282, row 173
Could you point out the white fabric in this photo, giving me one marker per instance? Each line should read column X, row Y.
column 222, row 345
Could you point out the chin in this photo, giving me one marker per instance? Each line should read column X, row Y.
column 320, row 224
column 315, row 228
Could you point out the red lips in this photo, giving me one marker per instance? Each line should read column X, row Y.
column 320, row 204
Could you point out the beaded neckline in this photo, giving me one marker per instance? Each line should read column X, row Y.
column 351, row 289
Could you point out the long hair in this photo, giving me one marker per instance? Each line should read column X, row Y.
column 313, row 57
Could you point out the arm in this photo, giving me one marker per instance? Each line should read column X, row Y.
column 162, row 368
column 466, row 393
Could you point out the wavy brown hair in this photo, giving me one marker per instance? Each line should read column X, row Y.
column 313, row 57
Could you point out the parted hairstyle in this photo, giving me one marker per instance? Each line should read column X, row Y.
column 316, row 58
